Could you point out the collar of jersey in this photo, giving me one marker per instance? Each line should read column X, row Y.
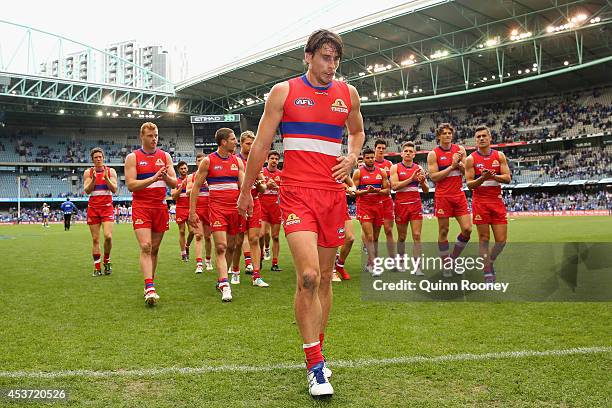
column 318, row 88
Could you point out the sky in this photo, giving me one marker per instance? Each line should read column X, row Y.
column 211, row 34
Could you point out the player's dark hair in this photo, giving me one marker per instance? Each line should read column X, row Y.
column 200, row 154
column 444, row 126
column 480, row 128
column 273, row 153
column 367, row 150
column 321, row 37
column 379, row 142
column 223, row 134
column 181, row 163
column 408, row 144
column 96, row 150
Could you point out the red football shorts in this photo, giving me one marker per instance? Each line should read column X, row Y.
column 408, row 211
column 372, row 213
column 319, row 211
column 222, row 218
column 98, row 215
column 270, row 209
column 182, row 215
column 203, row 215
column 254, row 221
column 453, row 206
column 155, row 219
column 387, row 207
column 493, row 213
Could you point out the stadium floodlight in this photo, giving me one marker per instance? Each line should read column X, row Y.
column 420, row 90
column 595, row 20
column 408, row 61
column 491, row 42
column 129, row 115
column 516, row 36
column 173, row 107
column 61, row 111
column 519, row 72
column 550, row 29
column 579, row 18
column 439, row 54
column 374, row 93
column 485, row 79
column 527, row 71
column 107, row 113
column 362, row 74
column 364, row 98
column 108, row 100
column 99, row 113
column 382, row 95
column 535, row 65
column 566, row 63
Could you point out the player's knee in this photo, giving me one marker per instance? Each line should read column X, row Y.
column 108, row 238
column 96, row 241
column 198, row 237
column 220, row 248
column 483, row 237
column 310, row 280
column 349, row 238
column 443, row 232
column 275, row 237
column 467, row 231
column 416, row 236
column 146, row 248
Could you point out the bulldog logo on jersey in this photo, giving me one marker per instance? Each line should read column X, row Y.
column 339, row 106
column 378, row 177
column 478, row 217
column 217, row 224
column 159, row 162
column 495, row 163
column 233, row 167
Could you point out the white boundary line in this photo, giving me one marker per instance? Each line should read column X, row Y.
column 147, row 372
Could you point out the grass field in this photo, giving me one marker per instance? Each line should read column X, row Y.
column 57, row 318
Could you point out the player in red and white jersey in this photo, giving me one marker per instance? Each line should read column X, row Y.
column 372, row 186
column 270, row 210
column 251, row 248
column 446, row 168
column 180, row 197
column 485, row 170
column 406, row 177
column 224, row 173
column 148, row 171
column 340, row 273
column 312, row 111
column 100, row 182
column 380, row 149
column 202, row 232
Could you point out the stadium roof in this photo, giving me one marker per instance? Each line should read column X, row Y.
column 430, row 48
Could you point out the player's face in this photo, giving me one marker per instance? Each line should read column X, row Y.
column 230, row 143
column 323, row 63
column 368, row 159
column 182, row 171
column 98, row 159
column 273, row 161
column 245, row 146
column 408, row 154
column 199, row 160
column 446, row 137
column 149, row 138
column 483, row 139
column 380, row 150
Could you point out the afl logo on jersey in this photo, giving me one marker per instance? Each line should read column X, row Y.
column 304, row 102
column 143, row 163
column 339, row 106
